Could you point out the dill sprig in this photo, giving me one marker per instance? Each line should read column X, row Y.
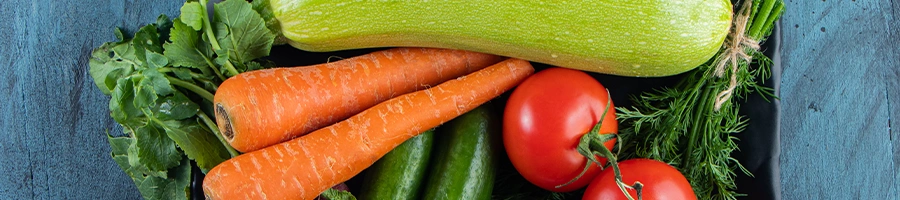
column 681, row 125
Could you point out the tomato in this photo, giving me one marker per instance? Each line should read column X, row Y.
column 660, row 180
column 544, row 120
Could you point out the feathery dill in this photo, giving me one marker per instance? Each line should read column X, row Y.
column 691, row 125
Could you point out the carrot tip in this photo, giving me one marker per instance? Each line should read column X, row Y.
column 224, row 122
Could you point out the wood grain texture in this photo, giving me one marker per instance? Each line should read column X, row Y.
column 54, row 119
column 892, row 77
column 839, row 86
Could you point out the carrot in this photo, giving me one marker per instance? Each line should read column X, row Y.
column 261, row 108
column 306, row 166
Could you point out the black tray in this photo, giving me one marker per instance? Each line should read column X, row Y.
column 759, row 143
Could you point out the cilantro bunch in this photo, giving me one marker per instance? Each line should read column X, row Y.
column 161, row 82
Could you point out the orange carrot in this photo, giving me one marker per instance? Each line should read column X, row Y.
column 306, row 166
column 265, row 107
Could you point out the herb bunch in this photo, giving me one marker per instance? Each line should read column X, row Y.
column 689, row 126
column 161, row 82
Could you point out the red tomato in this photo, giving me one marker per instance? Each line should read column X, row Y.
column 544, row 120
column 660, row 180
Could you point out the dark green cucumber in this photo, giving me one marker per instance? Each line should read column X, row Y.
column 399, row 174
column 464, row 161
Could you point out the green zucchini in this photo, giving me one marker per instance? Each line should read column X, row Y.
column 466, row 150
column 399, row 174
column 621, row 37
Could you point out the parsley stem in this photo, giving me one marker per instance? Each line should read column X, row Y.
column 212, row 126
column 194, row 75
column 209, row 84
column 213, row 67
column 192, row 87
column 230, row 68
column 207, row 27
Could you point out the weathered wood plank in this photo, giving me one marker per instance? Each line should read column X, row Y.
column 54, row 120
column 835, row 129
column 893, row 92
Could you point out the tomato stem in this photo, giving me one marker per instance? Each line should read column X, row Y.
column 637, row 186
column 592, row 146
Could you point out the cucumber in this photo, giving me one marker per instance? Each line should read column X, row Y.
column 399, row 174
column 465, row 157
column 629, row 38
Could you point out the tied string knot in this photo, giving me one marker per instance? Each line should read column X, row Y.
column 736, row 46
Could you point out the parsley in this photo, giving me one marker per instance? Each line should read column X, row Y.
column 161, row 83
column 335, row 194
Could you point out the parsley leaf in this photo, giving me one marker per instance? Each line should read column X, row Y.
column 196, row 141
column 153, row 77
column 241, row 31
column 187, row 49
column 120, row 146
column 192, row 14
column 175, row 107
column 146, row 39
column 171, row 184
column 110, row 62
column 334, row 194
column 163, row 24
column 121, row 105
column 144, row 96
column 154, row 148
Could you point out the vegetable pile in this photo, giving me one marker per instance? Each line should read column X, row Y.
column 452, row 109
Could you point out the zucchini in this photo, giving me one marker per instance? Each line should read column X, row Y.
column 621, row 37
column 466, row 150
column 399, row 173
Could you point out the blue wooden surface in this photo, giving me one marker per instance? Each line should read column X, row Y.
column 839, row 98
column 54, row 119
column 839, row 91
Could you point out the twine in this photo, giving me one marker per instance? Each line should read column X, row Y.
column 735, row 45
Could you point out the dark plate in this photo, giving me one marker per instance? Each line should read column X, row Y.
column 759, row 143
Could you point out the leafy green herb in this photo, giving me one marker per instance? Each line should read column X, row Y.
column 691, row 125
column 170, row 184
column 161, row 80
column 154, row 149
column 193, row 138
column 192, row 14
column 187, row 49
column 242, row 32
column 335, row 194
